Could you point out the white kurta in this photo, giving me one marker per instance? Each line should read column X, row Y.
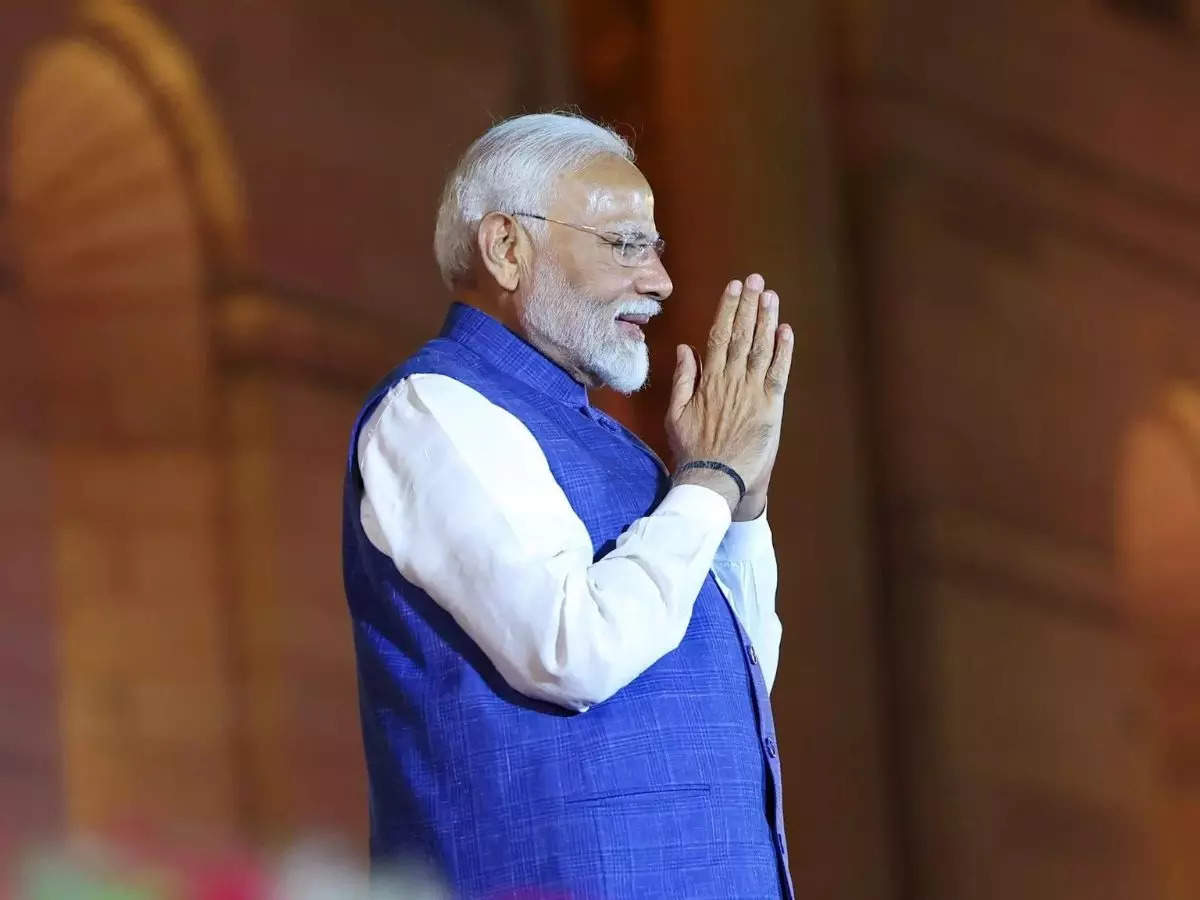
column 459, row 495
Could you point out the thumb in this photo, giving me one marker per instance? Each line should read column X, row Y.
column 684, row 383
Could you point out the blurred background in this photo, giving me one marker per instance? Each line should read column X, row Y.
column 983, row 218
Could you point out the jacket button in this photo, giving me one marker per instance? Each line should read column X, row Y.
column 753, row 655
column 770, row 745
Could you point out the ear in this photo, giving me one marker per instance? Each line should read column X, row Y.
column 503, row 247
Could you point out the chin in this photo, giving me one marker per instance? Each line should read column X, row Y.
column 626, row 374
column 626, row 386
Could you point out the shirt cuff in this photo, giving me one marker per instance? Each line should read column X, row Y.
column 699, row 504
column 746, row 540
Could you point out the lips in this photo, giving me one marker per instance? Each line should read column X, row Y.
column 631, row 324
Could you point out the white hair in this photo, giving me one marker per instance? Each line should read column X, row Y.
column 512, row 167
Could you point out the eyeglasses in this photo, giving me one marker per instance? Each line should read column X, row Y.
column 627, row 251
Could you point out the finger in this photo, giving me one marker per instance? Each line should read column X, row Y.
column 743, row 323
column 763, row 348
column 684, row 383
column 722, row 327
column 781, row 365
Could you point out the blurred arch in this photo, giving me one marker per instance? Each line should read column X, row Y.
column 1158, row 553
column 128, row 220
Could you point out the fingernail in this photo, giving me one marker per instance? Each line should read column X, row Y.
column 735, row 287
column 787, row 332
column 767, row 300
column 755, row 282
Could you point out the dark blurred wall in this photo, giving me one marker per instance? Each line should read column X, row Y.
column 30, row 794
column 1027, row 203
column 29, row 771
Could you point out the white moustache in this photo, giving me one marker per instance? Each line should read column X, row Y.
column 649, row 308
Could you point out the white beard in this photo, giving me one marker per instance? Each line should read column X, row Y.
column 586, row 333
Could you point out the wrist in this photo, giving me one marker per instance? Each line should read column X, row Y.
column 718, row 466
column 715, row 481
column 751, row 506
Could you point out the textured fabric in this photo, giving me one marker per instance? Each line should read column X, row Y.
column 745, row 570
column 669, row 789
column 512, row 563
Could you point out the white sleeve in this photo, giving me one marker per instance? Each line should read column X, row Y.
column 746, row 570
column 459, row 494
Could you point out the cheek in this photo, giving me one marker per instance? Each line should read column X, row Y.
column 607, row 288
column 589, row 276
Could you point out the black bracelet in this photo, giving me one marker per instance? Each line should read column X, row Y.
column 720, row 467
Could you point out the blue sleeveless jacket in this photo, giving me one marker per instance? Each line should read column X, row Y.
column 668, row 789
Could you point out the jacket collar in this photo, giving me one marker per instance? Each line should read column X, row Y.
column 512, row 354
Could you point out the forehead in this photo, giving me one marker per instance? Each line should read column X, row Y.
column 607, row 189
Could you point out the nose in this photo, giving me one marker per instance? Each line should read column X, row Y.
column 652, row 279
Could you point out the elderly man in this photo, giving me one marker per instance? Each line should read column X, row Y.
column 564, row 648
